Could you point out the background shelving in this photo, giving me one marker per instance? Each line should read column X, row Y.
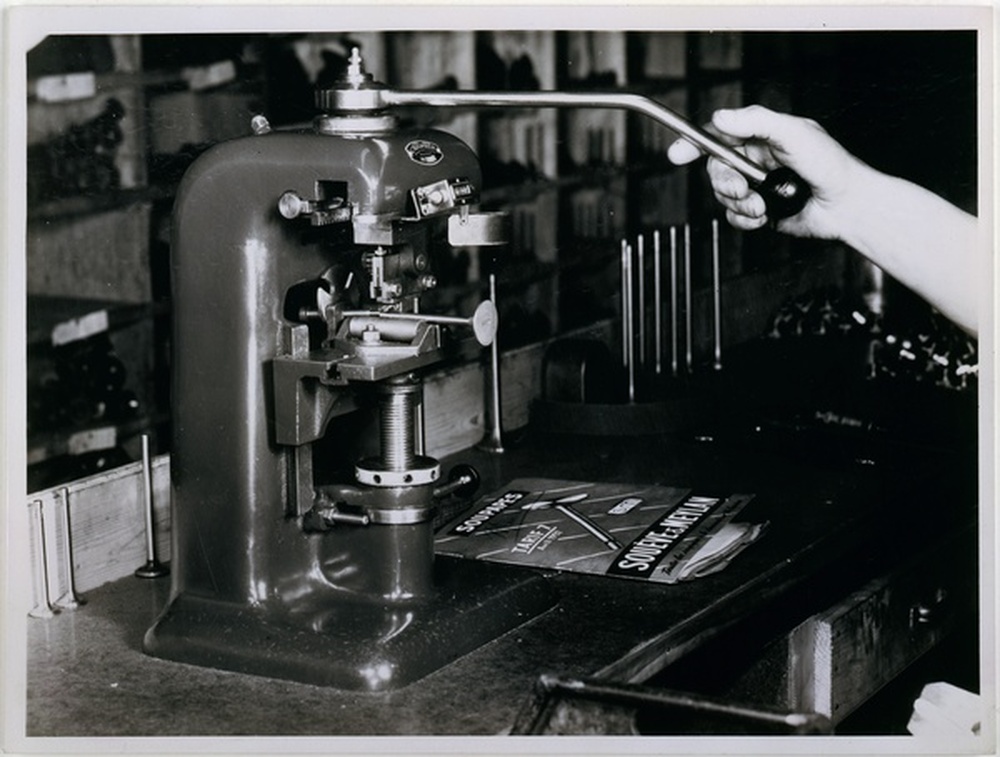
column 575, row 182
column 568, row 179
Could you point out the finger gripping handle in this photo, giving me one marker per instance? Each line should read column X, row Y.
column 785, row 193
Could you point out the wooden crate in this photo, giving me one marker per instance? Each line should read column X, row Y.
column 107, row 526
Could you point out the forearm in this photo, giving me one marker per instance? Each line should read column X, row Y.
column 918, row 238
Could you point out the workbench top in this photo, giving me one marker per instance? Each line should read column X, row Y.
column 87, row 675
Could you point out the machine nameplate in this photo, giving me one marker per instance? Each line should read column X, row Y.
column 424, row 152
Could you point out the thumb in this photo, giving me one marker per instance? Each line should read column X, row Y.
column 681, row 152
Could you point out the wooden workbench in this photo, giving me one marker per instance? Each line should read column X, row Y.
column 836, row 523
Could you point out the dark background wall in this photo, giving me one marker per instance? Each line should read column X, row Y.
column 903, row 101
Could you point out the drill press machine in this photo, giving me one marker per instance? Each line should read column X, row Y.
column 298, row 263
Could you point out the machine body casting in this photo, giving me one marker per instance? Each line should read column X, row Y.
column 298, row 263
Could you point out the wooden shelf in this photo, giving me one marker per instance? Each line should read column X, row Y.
column 111, row 80
column 64, row 319
column 105, row 82
column 89, row 437
column 81, row 205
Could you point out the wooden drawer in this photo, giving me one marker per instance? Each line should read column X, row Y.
column 840, row 657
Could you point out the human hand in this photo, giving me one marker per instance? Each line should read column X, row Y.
column 772, row 140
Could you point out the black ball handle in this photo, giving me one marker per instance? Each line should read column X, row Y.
column 785, row 193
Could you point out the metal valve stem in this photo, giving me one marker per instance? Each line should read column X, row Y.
column 152, row 568
column 70, row 600
column 42, row 603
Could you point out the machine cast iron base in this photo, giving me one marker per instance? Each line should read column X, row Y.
column 355, row 644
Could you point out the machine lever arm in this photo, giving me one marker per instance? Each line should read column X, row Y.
column 784, row 191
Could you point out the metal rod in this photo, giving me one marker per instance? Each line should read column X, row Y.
column 455, row 320
column 716, row 295
column 493, row 439
column 762, row 717
column 450, row 487
column 624, row 301
column 147, row 494
column 630, row 316
column 69, row 600
column 688, row 348
column 349, row 100
column 657, row 304
column 482, row 321
column 153, row 568
column 673, row 302
column 640, row 264
column 42, row 607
